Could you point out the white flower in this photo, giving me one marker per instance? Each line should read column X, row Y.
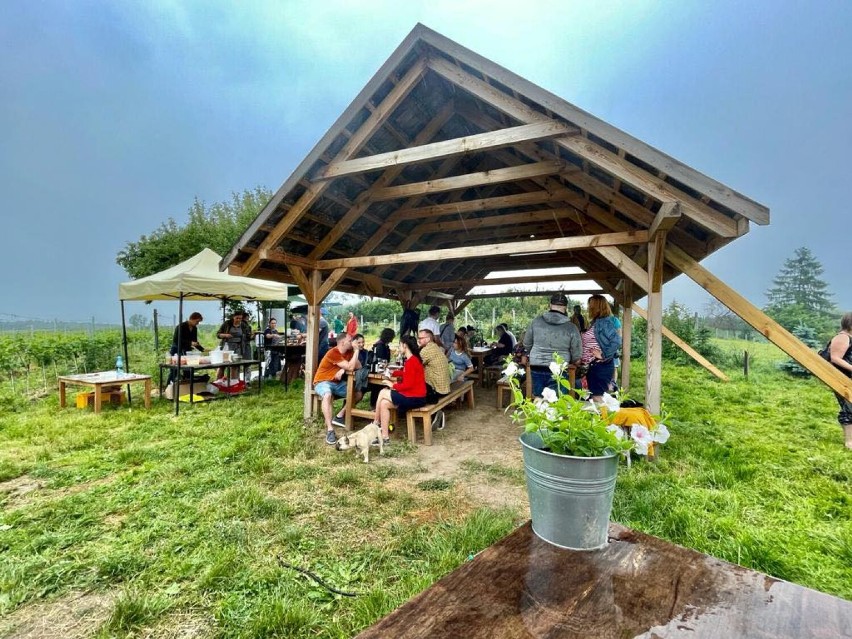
column 549, row 395
column 642, row 437
column 616, row 430
column 610, row 402
column 591, row 407
column 511, row 369
column 556, row 369
column 661, row 434
column 551, row 413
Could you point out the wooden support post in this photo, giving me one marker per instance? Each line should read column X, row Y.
column 654, row 357
column 312, row 345
column 626, row 334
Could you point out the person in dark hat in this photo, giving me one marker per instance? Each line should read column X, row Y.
column 549, row 333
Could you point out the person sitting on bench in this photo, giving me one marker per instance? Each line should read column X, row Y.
column 329, row 382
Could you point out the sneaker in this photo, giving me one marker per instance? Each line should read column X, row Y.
column 338, row 421
column 331, row 438
column 385, row 443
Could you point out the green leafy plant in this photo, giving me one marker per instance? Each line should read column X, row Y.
column 567, row 425
column 570, row 425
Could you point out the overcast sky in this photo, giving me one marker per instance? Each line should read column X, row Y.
column 115, row 115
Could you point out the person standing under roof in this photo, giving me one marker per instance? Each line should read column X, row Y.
column 549, row 333
column 352, row 325
column 431, row 322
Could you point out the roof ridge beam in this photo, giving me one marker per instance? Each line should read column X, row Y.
column 448, row 148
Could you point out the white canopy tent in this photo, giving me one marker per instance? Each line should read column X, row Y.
column 197, row 278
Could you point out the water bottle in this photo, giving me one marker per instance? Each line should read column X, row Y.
column 119, row 366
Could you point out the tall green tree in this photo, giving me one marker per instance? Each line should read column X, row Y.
column 217, row 226
column 799, row 295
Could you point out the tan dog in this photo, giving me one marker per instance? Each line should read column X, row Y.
column 361, row 440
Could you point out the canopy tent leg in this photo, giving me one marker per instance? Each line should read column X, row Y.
column 124, row 344
column 176, row 388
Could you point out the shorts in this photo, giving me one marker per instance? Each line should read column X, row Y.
column 337, row 389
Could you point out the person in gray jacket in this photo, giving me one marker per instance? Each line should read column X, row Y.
column 551, row 332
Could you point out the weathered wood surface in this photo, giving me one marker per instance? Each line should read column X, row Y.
column 638, row 586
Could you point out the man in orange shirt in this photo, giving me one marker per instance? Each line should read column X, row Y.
column 329, row 382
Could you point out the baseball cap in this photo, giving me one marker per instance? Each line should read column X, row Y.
column 559, row 299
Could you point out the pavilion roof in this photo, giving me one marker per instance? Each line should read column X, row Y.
column 447, row 167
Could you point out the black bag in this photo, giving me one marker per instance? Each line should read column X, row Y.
column 826, row 352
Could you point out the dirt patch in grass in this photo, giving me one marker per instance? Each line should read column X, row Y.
column 483, row 437
column 25, row 490
column 75, row 615
column 17, row 489
column 182, row 626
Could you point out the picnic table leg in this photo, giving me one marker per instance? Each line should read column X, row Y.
column 471, row 401
column 98, row 398
column 427, row 430
column 61, row 394
column 350, row 396
column 147, row 393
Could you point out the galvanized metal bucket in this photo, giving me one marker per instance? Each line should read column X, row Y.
column 570, row 497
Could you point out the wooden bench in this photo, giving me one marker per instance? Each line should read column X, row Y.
column 425, row 413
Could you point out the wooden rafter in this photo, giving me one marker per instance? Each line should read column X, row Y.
column 533, row 246
column 359, row 138
column 447, row 148
column 508, row 174
column 366, row 198
column 609, row 162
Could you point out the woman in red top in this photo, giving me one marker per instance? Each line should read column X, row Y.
column 409, row 392
column 352, row 325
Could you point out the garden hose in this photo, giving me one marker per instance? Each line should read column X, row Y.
column 318, row 579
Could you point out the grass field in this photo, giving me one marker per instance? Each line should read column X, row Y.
column 143, row 524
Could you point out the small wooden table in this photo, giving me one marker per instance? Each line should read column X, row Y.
column 99, row 380
column 638, row 586
column 478, row 355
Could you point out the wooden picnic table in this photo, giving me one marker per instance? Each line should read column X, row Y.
column 638, row 586
column 103, row 379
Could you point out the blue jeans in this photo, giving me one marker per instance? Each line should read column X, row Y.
column 543, row 379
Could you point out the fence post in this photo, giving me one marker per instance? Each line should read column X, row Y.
column 745, row 364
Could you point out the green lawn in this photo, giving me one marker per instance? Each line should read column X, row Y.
column 184, row 522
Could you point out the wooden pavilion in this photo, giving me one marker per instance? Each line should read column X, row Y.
column 447, row 167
